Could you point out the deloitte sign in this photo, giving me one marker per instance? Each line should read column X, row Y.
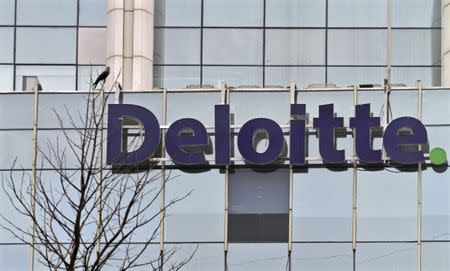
column 176, row 140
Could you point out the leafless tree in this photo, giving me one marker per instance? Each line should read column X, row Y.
column 90, row 217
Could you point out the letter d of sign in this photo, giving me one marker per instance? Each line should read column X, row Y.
column 115, row 154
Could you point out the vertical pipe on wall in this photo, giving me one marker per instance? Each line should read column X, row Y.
column 143, row 44
column 34, row 175
column 419, row 190
column 389, row 41
column 354, row 179
column 445, row 44
column 163, row 180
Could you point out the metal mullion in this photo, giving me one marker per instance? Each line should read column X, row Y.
column 226, row 100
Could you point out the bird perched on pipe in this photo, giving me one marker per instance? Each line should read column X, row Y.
column 101, row 78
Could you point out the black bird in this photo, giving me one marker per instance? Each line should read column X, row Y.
column 101, row 77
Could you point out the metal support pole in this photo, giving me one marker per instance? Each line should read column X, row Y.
column 100, row 168
column 163, row 180
column 225, row 98
column 354, row 179
column 419, row 190
column 34, row 176
column 292, row 100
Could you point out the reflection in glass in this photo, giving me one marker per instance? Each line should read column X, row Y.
column 295, row 47
column 47, row 12
column 232, row 46
column 46, row 45
column 50, row 77
column 177, row 46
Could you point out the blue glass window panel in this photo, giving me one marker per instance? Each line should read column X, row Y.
column 398, row 106
column 13, row 116
column 426, row 49
column 46, row 45
column 435, row 106
column 6, row 78
column 60, row 78
column 91, row 46
column 295, row 13
column 153, row 101
column 245, row 106
column 233, row 76
column 303, row 76
column 430, row 76
column 16, row 147
column 87, row 76
column 382, row 214
column 199, row 216
column 47, row 12
column 322, row 199
column 12, row 257
column 205, row 256
column 198, row 105
column 7, row 12
column 375, row 257
column 177, row 46
column 357, row 47
column 177, row 12
column 232, row 46
column 244, row 13
column 323, row 257
column 6, row 44
column 263, row 257
column 435, row 256
column 416, row 13
column 357, row 13
column 93, row 12
column 436, row 205
column 350, row 76
column 295, row 47
column 175, row 76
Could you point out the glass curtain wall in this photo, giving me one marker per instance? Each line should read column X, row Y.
column 271, row 42
column 51, row 44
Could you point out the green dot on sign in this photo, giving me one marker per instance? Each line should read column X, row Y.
column 438, row 156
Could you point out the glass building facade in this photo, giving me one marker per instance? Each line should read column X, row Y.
column 244, row 217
